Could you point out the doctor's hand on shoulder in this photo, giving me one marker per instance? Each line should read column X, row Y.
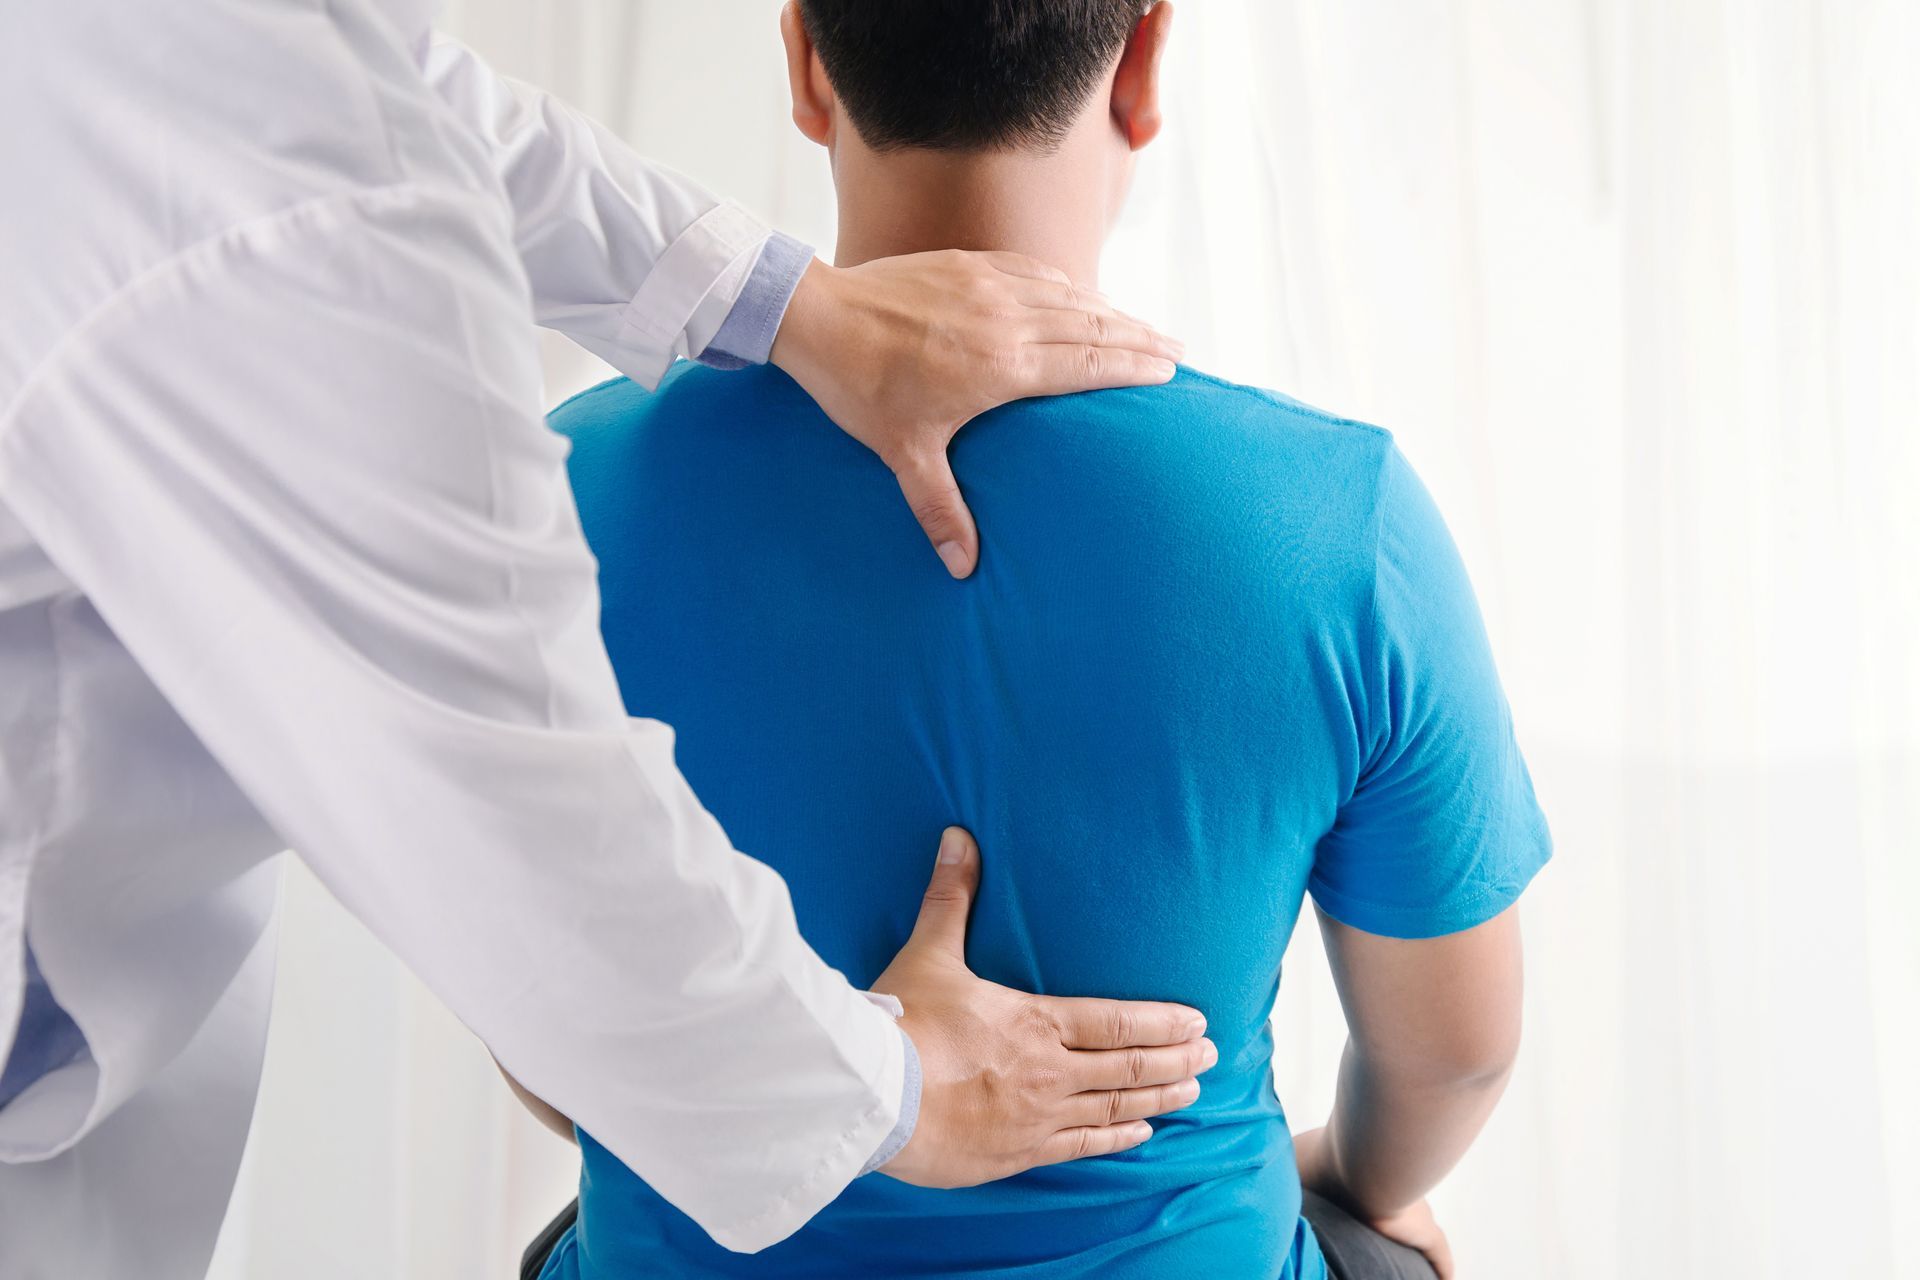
column 1011, row 1080
column 902, row 352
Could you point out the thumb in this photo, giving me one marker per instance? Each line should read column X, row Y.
column 943, row 912
column 934, row 497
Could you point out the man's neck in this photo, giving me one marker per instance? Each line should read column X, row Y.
column 1048, row 207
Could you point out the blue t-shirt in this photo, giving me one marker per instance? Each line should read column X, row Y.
column 1219, row 653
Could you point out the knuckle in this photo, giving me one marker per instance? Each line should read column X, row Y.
column 944, row 893
column 934, row 513
column 898, row 453
column 919, row 467
column 1116, row 1102
column 1122, row 1025
column 1005, row 364
column 1137, row 1065
column 1048, row 1081
column 1042, row 1023
column 1093, row 363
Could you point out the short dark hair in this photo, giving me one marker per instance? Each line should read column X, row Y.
column 967, row 75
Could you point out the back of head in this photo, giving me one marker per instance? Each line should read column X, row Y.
column 967, row 74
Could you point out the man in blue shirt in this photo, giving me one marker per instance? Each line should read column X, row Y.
column 1225, row 625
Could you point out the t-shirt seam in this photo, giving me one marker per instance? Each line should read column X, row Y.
column 1419, row 920
column 1486, row 890
column 1336, row 899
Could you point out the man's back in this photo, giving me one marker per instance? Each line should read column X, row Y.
column 1218, row 653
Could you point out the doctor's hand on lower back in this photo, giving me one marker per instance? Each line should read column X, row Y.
column 1011, row 1080
column 903, row 352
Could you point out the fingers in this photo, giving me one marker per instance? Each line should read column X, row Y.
column 943, row 911
column 1063, row 312
column 1091, row 1023
column 1099, row 328
column 1019, row 264
column 1059, row 295
column 1115, row 1106
column 1138, row 1068
column 1067, row 313
column 1078, row 1144
column 934, row 497
column 1062, row 368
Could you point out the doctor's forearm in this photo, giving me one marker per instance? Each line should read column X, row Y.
column 891, row 1146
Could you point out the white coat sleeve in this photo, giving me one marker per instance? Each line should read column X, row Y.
column 298, row 470
column 630, row 259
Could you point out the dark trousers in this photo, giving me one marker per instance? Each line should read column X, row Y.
column 1353, row 1250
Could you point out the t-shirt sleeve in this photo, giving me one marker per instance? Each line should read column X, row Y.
column 1441, row 831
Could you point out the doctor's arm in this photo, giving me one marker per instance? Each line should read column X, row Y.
column 299, row 473
column 639, row 265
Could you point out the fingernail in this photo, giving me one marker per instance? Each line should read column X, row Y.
column 1187, row 1092
column 1208, row 1055
column 952, row 849
column 954, row 557
column 1196, row 1028
column 1143, row 1131
column 1166, row 369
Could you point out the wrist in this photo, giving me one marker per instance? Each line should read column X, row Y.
column 802, row 332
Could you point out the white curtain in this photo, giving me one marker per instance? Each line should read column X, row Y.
column 1637, row 285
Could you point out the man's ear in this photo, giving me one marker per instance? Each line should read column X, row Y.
column 812, row 96
column 1136, row 84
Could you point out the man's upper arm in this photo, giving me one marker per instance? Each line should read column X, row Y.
column 1443, row 1009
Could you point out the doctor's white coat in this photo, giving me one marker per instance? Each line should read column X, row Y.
column 288, row 558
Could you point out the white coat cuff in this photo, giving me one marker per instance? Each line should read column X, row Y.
column 909, row 1106
column 688, row 294
column 844, row 1160
column 746, row 336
